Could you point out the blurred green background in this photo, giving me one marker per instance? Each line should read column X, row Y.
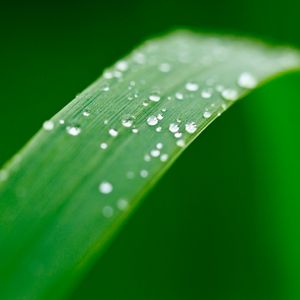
column 226, row 227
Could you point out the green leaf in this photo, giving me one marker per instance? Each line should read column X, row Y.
column 70, row 189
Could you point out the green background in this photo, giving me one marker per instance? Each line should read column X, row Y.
column 223, row 227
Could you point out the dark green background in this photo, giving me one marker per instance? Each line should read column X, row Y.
column 223, row 223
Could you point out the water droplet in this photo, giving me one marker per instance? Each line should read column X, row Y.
column 127, row 121
column 73, row 130
column 48, row 125
column 164, row 67
column 155, row 153
column 152, row 120
column 154, row 98
column 173, row 127
column 144, row 173
column 159, row 146
column 113, row 132
column 179, row 96
column 135, row 130
column 105, row 88
column 122, row 66
column 206, row 94
column 145, row 103
column 158, row 129
column 190, row 127
column 108, row 75
column 160, row 117
column 86, row 113
column 247, row 81
column 105, row 122
column 107, row 211
column 147, row 158
column 178, row 135
column 164, row 157
column 122, row 204
column 230, row 94
column 180, row 143
column 192, row 87
column 207, row 114
column 103, row 146
column 61, row 122
column 105, row 187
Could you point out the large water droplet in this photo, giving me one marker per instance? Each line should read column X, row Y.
column 105, row 187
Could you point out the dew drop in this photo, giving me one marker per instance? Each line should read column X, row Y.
column 206, row 114
column 135, row 130
column 152, row 120
column 113, row 132
column 190, row 127
column 206, row 94
column 180, row 143
column 178, row 135
column 147, row 157
column 164, row 157
column 160, row 117
column 106, row 88
column 107, row 211
column 164, row 67
column 179, row 96
column 105, row 187
column 154, row 98
column 155, row 153
column 144, row 173
column 173, row 127
column 73, row 130
column 230, row 94
column 192, row 87
column 122, row 204
column 247, row 81
column 103, row 146
column 122, row 66
column 158, row 129
column 127, row 121
column 48, row 125
column 159, row 146
column 86, row 113
column 61, row 122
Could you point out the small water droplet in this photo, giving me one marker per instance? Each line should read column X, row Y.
column 122, row 204
column 180, row 143
column 61, row 122
column 113, row 132
column 164, row 157
column 73, row 130
column 160, row 117
column 106, row 88
column 86, row 113
column 179, row 96
column 178, row 135
column 147, row 157
column 164, row 67
column 48, row 125
column 127, row 121
column 192, row 87
column 145, row 103
column 105, row 187
column 155, row 153
column 107, row 211
column 173, row 127
column 206, row 94
column 207, row 114
column 122, row 66
column 190, row 127
column 144, row 173
column 158, row 129
column 159, row 146
column 135, row 130
column 108, row 75
column 105, row 122
column 152, row 120
column 154, row 98
column 247, row 81
column 103, row 146
column 230, row 94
